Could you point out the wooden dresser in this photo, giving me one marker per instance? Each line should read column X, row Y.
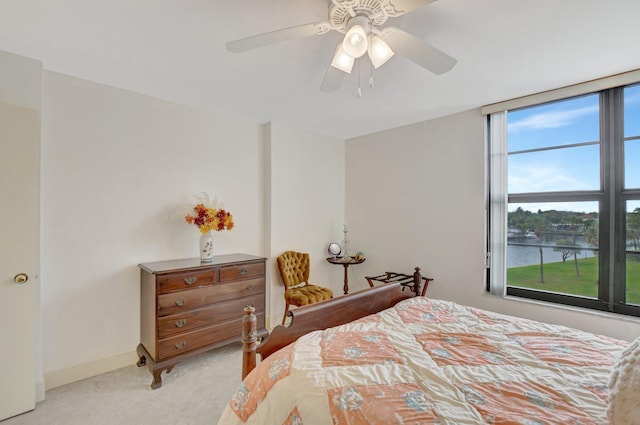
column 187, row 308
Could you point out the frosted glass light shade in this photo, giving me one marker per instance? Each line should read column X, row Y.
column 355, row 41
column 341, row 60
column 379, row 52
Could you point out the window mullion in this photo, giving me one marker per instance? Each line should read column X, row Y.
column 607, row 206
column 613, row 270
column 619, row 226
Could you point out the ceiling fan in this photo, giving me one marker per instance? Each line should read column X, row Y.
column 361, row 21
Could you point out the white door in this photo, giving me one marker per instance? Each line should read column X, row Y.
column 19, row 236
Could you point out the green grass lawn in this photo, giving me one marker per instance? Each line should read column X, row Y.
column 561, row 277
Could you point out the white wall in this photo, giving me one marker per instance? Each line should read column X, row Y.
column 118, row 174
column 307, row 205
column 415, row 197
column 119, row 171
column 404, row 187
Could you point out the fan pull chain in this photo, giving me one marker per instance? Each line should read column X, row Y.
column 371, row 77
column 359, row 92
column 371, row 63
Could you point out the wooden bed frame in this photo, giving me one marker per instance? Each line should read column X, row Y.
column 323, row 315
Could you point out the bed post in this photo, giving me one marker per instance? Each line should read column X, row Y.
column 249, row 340
column 417, row 282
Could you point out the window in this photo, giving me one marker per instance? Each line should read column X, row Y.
column 565, row 201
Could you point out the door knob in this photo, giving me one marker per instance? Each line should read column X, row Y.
column 20, row 278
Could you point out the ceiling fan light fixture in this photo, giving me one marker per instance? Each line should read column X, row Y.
column 341, row 60
column 361, row 24
column 379, row 52
column 355, row 41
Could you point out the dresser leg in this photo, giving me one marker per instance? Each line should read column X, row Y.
column 156, row 369
column 142, row 358
column 157, row 379
column 157, row 375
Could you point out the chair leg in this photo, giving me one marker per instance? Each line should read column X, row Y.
column 284, row 317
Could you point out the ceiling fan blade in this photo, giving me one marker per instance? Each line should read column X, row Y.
column 264, row 39
column 399, row 7
column 332, row 79
column 417, row 50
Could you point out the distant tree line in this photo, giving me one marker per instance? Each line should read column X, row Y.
column 554, row 221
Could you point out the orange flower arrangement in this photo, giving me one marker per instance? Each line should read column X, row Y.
column 208, row 219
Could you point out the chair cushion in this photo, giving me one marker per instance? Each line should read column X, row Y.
column 307, row 294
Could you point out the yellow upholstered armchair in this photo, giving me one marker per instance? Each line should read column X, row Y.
column 294, row 271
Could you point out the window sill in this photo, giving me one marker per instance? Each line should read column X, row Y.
column 597, row 313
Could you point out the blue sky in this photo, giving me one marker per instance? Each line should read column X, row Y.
column 564, row 123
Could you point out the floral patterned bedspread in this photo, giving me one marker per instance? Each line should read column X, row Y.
column 427, row 361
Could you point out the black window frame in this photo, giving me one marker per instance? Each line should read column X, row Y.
column 612, row 198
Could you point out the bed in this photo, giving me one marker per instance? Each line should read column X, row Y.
column 421, row 361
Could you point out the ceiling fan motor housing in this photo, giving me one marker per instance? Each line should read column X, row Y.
column 376, row 12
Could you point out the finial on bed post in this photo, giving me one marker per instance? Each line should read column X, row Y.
column 249, row 340
column 417, row 282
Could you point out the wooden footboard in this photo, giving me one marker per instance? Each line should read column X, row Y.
column 322, row 315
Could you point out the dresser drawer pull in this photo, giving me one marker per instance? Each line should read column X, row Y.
column 243, row 272
column 250, row 287
column 180, row 344
column 180, row 323
column 180, row 302
column 190, row 280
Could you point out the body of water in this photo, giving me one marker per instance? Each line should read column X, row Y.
column 527, row 253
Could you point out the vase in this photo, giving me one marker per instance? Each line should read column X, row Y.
column 206, row 247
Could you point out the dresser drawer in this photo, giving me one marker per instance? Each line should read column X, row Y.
column 242, row 271
column 181, row 301
column 220, row 333
column 216, row 313
column 189, row 279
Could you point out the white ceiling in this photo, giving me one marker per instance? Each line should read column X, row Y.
column 174, row 49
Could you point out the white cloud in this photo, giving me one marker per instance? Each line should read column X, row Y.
column 537, row 178
column 552, row 119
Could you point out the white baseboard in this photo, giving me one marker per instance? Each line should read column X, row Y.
column 87, row 370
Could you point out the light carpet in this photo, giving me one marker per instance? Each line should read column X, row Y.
column 194, row 393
